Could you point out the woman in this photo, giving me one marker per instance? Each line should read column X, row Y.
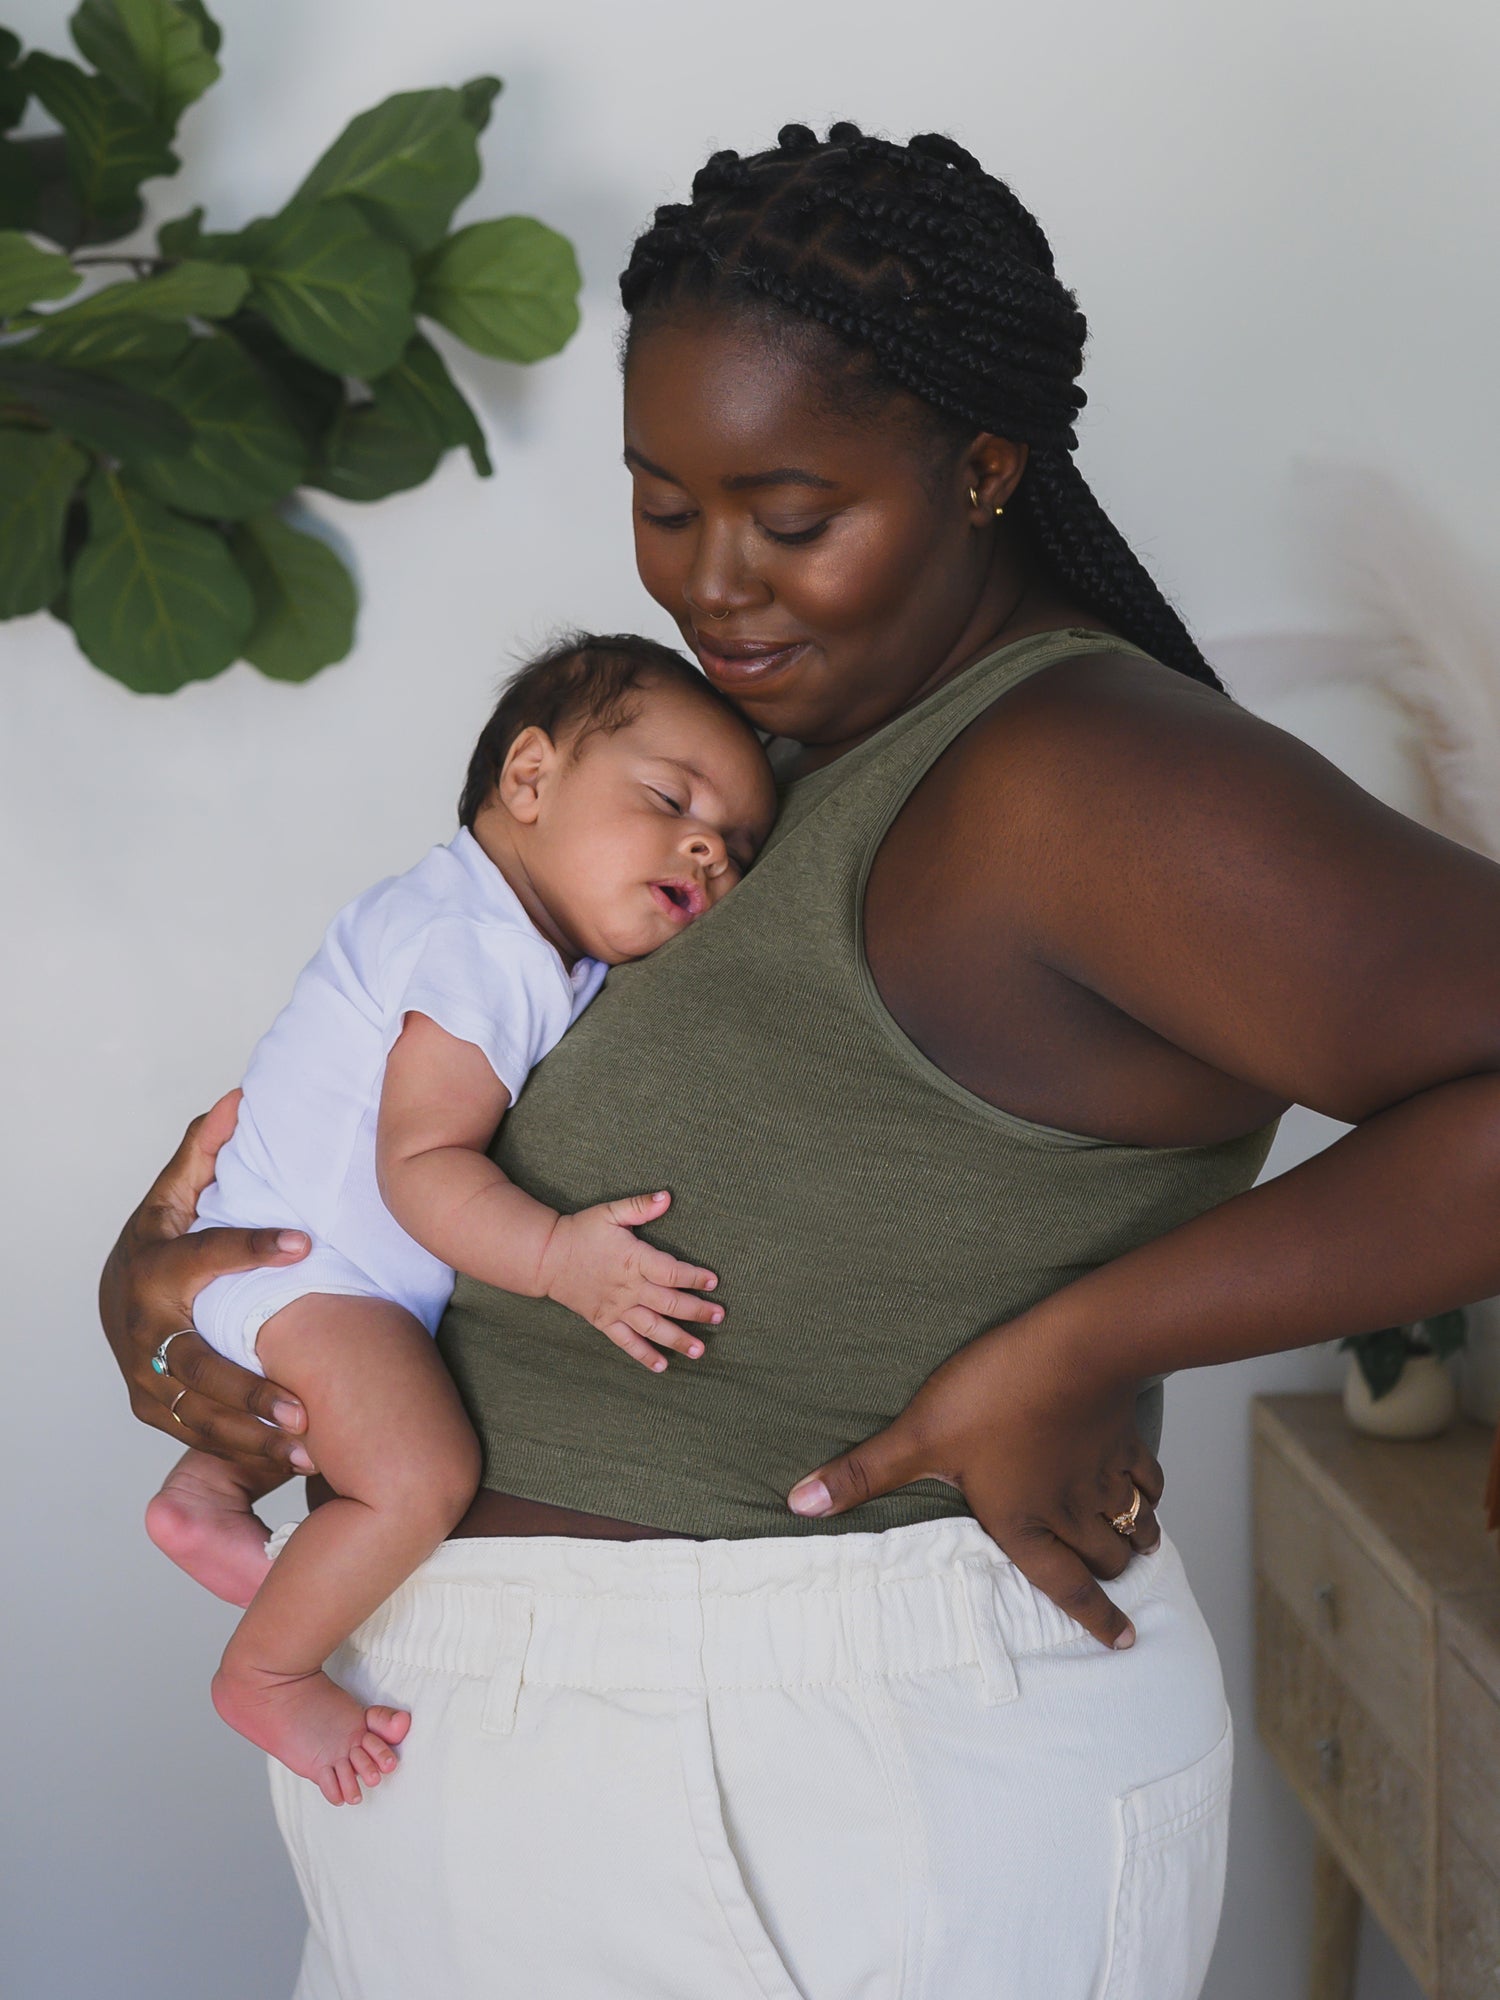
column 962, row 1094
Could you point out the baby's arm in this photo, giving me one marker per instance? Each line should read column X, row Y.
column 439, row 1108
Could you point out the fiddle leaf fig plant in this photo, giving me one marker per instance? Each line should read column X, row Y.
column 1383, row 1354
column 157, row 430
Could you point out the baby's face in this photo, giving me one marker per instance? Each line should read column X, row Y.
column 645, row 828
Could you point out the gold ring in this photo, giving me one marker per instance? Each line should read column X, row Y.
column 175, row 1401
column 1124, row 1524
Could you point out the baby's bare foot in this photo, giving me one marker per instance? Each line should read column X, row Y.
column 315, row 1727
column 203, row 1520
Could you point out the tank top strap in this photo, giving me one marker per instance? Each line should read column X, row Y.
column 887, row 766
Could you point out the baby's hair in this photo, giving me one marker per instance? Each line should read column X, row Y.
column 583, row 683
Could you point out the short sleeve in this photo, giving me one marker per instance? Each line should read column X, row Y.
column 489, row 984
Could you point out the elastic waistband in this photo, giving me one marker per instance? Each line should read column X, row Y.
column 677, row 1615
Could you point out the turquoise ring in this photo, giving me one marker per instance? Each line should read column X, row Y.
column 159, row 1358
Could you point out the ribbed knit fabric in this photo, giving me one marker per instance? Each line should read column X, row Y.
column 866, row 1215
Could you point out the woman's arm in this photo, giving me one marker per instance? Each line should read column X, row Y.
column 1225, row 886
column 146, row 1292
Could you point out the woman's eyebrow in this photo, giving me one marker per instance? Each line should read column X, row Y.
column 739, row 482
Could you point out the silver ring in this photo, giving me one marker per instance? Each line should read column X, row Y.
column 159, row 1358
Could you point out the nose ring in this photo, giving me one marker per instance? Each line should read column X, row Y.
column 718, row 614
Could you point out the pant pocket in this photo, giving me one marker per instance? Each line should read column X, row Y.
column 753, row 1942
column 1173, row 1843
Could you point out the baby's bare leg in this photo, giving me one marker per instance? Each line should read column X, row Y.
column 387, row 1431
column 204, row 1518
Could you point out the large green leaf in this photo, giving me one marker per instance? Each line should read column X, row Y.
column 37, row 193
column 331, row 287
column 112, row 145
column 28, row 274
column 181, row 236
column 409, row 162
column 478, row 94
column 20, row 184
column 309, row 395
column 369, row 453
column 246, row 454
column 104, row 415
column 152, row 51
column 213, row 34
column 508, row 288
column 155, row 600
column 38, row 473
column 106, row 343
column 13, row 87
column 199, row 291
column 420, row 393
column 305, row 601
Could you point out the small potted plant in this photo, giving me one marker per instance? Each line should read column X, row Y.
column 1399, row 1384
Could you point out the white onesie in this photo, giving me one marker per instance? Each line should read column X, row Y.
column 449, row 939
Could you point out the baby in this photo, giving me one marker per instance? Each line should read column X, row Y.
column 614, row 798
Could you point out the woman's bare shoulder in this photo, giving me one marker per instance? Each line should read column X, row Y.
column 1222, row 883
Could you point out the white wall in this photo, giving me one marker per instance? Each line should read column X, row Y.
column 1279, row 220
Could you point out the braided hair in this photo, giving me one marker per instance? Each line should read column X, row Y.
column 932, row 277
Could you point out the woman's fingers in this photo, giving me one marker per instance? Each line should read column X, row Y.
column 213, row 1253
column 230, row 1390
column 1060, row 1573
column 210, row 1426
column 172, row 1201
column 879, row 1465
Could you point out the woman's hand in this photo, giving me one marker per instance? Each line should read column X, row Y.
column 146, row 1292
column 1042, row 1449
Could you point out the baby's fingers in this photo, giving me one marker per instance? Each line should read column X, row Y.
column 635, row 1331
column 663, row 1269
column 681, row 1305
column 631, row 1210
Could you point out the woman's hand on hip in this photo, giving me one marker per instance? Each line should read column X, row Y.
column 146, row 1292
column 1044, row 1454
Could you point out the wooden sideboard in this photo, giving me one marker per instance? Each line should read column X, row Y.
column 1377, row 1612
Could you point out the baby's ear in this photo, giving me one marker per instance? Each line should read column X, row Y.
column 529, row 762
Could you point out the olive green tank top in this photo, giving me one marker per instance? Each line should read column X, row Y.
column 866, row 1215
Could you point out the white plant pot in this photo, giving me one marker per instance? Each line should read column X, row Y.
column 1421, row 1404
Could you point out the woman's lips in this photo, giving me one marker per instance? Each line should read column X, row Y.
column 735, row 663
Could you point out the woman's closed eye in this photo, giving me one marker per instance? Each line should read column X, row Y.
column 788, row 537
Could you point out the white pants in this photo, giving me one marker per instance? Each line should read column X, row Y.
column 863, row 1767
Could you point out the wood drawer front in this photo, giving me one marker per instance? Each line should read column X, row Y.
column 1344, row 1767
column 1367, row 1626
column 1471, row 1925
column 1469, row 1750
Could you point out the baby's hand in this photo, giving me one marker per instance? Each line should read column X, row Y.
column 597, row 1267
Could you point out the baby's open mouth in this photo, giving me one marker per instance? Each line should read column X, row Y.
column 682, row 900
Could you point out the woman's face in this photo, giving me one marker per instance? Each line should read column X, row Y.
column 825, row 570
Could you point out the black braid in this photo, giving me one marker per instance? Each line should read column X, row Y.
column 933, row 275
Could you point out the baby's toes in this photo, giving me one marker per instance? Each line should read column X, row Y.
column 362, row 1757
column 391, row 1724
column 328, row 1785
column 348, row 1784
column 379, row 1752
